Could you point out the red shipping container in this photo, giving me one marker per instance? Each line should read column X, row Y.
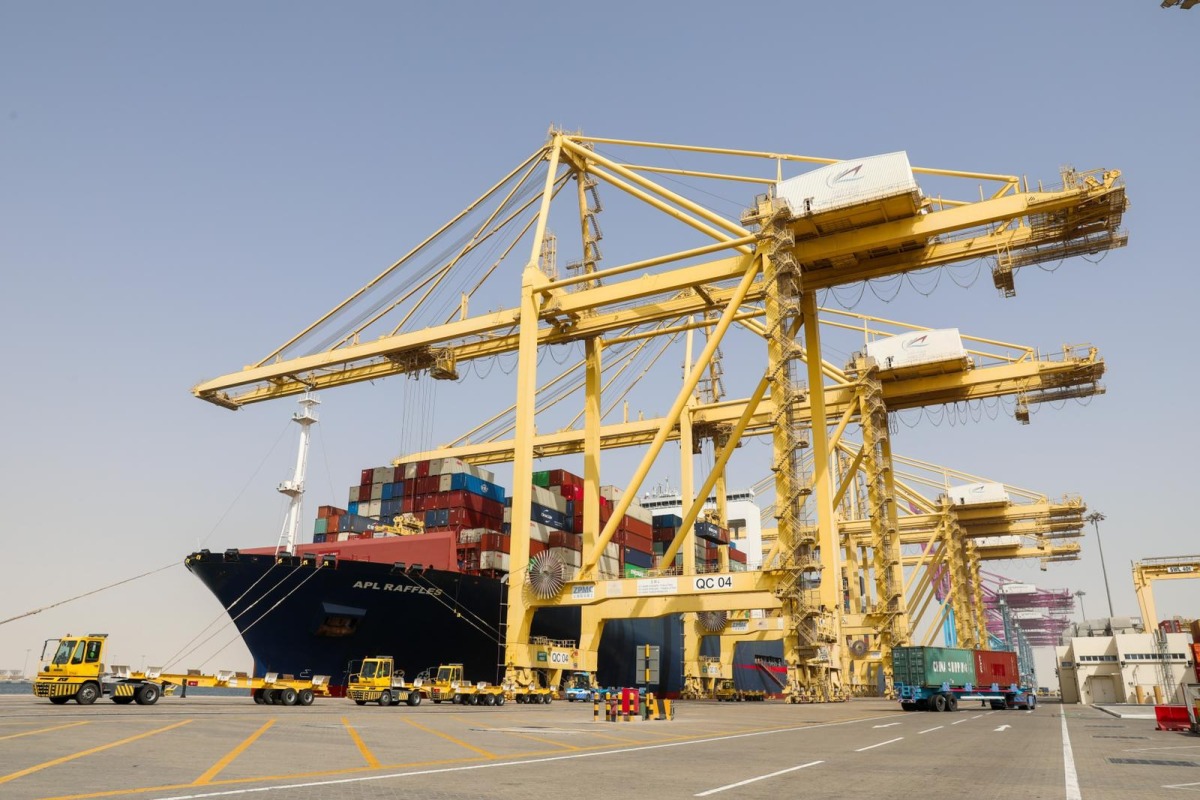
column 637, row 526
column 1196, row 659
column 422, row 468
column 397, row 474
column 536, row 547
column 367, row 477
column 737, row 555
column 638, row 542
column 495, row 541
column 493, row 508
column 406, row 505
column 996, row 666
column 364, row 494
column 569, row 492
column 571, row 541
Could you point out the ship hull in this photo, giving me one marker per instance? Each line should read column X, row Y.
column 304, row 620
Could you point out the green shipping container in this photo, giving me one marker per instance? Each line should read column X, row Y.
column 632, row 571
column 542, row 479
column 933, row 666
column 321, row 526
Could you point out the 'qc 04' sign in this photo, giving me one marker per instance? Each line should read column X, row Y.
column 712, row 583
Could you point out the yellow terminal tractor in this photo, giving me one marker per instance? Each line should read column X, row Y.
column 377, row 681
column 77, row 671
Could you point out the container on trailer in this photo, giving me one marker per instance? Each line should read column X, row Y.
column 933, row 666
column 996, row 666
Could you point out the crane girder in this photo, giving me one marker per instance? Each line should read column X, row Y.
column 975, row 384
column 931, row 238
column 1146, row 571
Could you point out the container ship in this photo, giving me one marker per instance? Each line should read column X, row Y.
column 416, row 566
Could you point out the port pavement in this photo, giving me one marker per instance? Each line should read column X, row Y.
column 227, row 747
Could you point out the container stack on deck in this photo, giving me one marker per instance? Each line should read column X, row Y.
column 450, row 495
column 709, row 537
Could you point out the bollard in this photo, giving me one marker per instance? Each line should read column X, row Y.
column 595, row 706
column 668, row 710
column 652, row 706
column 612, row 708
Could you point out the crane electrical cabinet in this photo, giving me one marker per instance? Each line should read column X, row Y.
column 828, row 223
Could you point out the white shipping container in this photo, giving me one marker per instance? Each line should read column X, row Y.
column 493, row 559
column 539, row 532
column 613, row 550
column 977, row 494
column 468, row 535
column 410, row 471
column 611, row 493
column 435, row 466
column 567, row 556
column 917, row 347
column 640, row 514
column 382, row 475
column 376, row 491
column 373, row 509
column 849, row 183
column 997, row 541
column 508, row 514
column 481, row 473
column 548, row 499
column 444, row 483
column 353, row 494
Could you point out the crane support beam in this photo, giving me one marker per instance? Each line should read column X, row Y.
column 977, row 384
column 1147, row 571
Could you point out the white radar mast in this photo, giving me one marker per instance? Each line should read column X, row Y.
column 294, row 488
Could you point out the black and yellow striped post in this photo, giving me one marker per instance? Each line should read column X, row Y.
column 595, row 706
column 650, row 709
column 668, row 711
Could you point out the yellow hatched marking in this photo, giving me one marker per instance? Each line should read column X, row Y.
column 44, row 730
column 450, row 738
column 216, row 768
column 531, row 737
column 12, row 776
column 367, row 755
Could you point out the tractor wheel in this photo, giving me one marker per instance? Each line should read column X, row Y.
column 414, row 698
column 87, row 694
column 385, row 698
column 305, row 697
column 58, row 701
column 147, row 694
column 287, row 696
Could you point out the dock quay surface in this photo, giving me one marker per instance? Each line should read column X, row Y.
column 228, row 747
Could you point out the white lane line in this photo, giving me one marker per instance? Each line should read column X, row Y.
column 927, row 730
column 1072, row 778
column 960, row 722
column 513, row 763
column 1145, row 749
column 759, row 778
column 888, row 725
column 977, row 716
column 1195, row 787
column 881, row 744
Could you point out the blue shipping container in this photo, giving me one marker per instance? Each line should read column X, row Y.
column 465, row 481
column 548, row 516
column 667, row 521
column 352, row 507
column 638, row 558
column 387, row 492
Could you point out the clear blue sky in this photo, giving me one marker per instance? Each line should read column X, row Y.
column 184, row 186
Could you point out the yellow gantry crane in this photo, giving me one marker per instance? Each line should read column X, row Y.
column 759, row 271
column 1149, row 570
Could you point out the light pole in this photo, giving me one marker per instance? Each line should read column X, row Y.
column 1096, row 518
column 1079, row 594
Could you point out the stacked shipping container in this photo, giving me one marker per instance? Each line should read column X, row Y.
column 449, row 495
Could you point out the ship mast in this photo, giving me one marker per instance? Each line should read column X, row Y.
column 294, row 488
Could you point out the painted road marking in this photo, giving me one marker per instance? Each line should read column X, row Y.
column 1195, row 787
column 234, row 753
column 1071, row 777
column 44, row 730
column 489, row 765
column 38, row 767
column 367, row 755
column 960, row 722
column 450, row 738
column 881, row 744
column 759, row 778
column 977, row 716
column 1004, row 727
column 938, row 728
column 890, row 724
